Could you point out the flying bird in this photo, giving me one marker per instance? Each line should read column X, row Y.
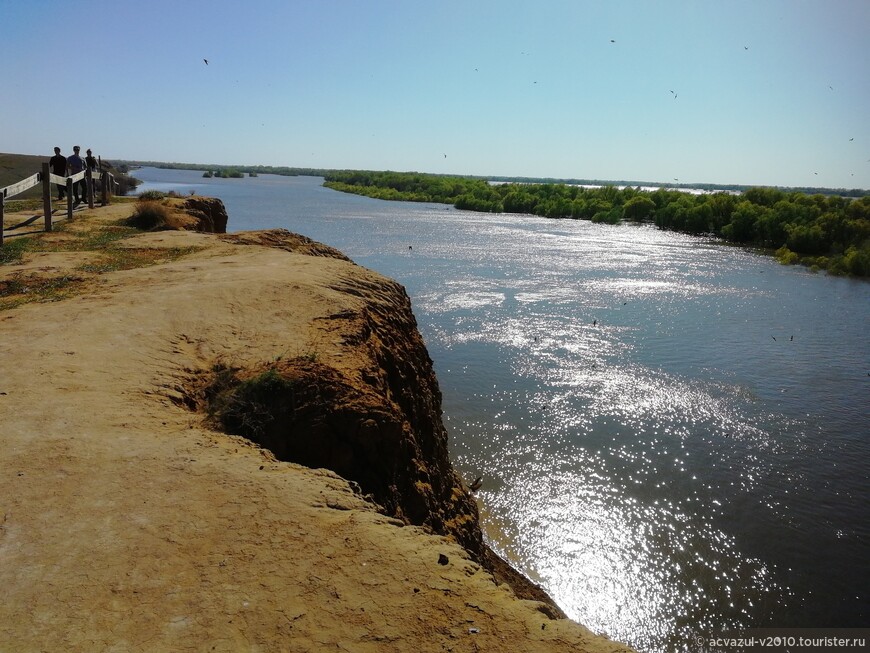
column 745, row 47
column 475, row 486
column 612, row 40
column 852, row 139
column 206, row 61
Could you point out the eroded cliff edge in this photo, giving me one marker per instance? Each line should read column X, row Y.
column 129, row 521
column 376, row 422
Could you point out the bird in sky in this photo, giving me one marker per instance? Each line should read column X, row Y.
column 852, row 139
column 745, row 47
column 613, row 40
column 206, row 61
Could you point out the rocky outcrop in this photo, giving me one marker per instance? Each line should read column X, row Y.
column 203, row 214
column 209, row 213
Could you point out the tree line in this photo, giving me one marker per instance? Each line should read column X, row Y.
column 828, row 232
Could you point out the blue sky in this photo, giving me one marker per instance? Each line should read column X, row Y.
column 759, row 92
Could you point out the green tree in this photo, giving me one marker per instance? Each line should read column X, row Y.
column 638, row 208
column 763, row 196
column 806, row 239
column 743, row 227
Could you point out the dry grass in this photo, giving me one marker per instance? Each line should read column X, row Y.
column 21, row 288
column 128, row 258
column 150, row 215
column 109, row 255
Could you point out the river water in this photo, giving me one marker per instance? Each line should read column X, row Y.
column 673, row 433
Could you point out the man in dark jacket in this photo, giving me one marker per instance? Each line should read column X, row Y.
column 76, row 165
column 57, row 164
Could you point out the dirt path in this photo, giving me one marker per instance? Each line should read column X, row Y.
column 126, row 525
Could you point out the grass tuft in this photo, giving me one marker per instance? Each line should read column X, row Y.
column 248, row 407
column 151, row 196
column 150, row 215
column 21, row 289
column 13, row 250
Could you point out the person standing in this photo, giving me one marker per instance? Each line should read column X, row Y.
column 57, row 164
column 91, row 164
column 76, row 165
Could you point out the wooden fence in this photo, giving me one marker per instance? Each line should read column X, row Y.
column 108, row 187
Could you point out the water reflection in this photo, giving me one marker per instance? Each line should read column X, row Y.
column 636, row 461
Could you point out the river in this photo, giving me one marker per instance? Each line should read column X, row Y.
column 673, row 433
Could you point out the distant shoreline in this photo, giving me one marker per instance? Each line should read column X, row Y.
column 673, row 185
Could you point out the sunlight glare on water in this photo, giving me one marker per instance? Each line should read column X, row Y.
column 626, row 446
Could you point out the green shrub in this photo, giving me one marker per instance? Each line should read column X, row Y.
column 785, row 256
column 857, row 261
column 151, row 195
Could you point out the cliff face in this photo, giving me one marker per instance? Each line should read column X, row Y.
column 377, row 424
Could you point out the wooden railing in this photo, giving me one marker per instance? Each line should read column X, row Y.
column 108, row 187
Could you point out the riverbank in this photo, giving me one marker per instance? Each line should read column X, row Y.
column 129, row 521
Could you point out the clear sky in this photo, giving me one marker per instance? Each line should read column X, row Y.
column 750, row 92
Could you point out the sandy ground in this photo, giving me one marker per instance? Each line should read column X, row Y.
column 127, row 525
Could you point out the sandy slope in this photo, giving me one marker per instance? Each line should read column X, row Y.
column 127, row 525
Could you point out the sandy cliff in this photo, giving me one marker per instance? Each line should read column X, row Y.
column 132, row 519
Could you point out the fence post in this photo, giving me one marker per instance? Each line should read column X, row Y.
column 69, row 198
column 46, row 195
column 2, row 205
column 89, row 181
column 104, row 186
